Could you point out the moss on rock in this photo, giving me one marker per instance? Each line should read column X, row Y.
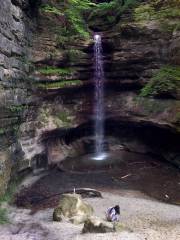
column 72, row 206
column 164, row 83
column 59, row 84
column 165, row 13
column 3, row 216
column 52, row 70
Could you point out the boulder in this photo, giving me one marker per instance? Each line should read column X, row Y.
column 97, row 225
column 72, row 207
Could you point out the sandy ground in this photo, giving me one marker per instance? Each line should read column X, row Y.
column 148, row 220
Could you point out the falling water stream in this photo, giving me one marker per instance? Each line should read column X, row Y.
column 99, row 98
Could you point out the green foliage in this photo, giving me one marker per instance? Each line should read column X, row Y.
column 166, row 81
column 144, row 12
column 75, row 12
column 82, row 5
column 109, row 12
column 77, row 24
column 64, row 37
column 3, row 216
column 178, row 118
column 151, row 105
column 60, row 84
column 148, row 12
column 16, row 108
column 8, row 198
column 160, row 11
column 71, row 18
column 51, row 9
column 52, row 70
column 73, row 54
column 64, row 117
column 2, row 131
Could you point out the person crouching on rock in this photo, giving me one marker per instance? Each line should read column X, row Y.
column 113, row 214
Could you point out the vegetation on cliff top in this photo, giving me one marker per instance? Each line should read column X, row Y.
column 108, row 13
column 71, row 17
column 166, row 13
column 165, row 82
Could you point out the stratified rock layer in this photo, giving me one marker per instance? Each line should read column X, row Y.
column 45, row 86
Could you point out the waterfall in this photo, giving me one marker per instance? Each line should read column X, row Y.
column 99, row 98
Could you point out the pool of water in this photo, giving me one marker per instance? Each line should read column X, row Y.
column 122, row 172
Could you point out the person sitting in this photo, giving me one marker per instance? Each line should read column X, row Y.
column 113, row 214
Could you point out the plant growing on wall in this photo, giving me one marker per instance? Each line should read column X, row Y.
column 71, row 14
column 110, row 12
column 166, row 81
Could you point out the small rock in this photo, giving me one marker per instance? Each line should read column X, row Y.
column 97, row 225
column 57, row 215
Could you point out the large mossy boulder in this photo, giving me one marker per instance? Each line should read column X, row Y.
column 72, row 207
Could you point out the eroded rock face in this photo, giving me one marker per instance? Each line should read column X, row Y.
column 15, row 94
column 132, row 53
column 5, row 170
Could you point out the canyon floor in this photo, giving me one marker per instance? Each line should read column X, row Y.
column 147, row 192
column 147, row 219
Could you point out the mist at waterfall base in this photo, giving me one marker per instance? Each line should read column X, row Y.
column 99, row 99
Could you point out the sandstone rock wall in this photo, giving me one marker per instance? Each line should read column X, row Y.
column 34, row 101
column 15, row 34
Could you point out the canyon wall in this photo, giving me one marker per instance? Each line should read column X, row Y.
column 46, row 88
column 15, row 39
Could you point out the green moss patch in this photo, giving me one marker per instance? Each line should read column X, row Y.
column 167, row 14
column 147, row 12
column 3, row 216
column 2, row 131
column 108, row 13
column 51, row 70
column 64, row 118
column 70, row 16
column 60, row 84
column 17, row 108
column 73, row 55
column 8, row 197
column 165, row 82
column 51, row 9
